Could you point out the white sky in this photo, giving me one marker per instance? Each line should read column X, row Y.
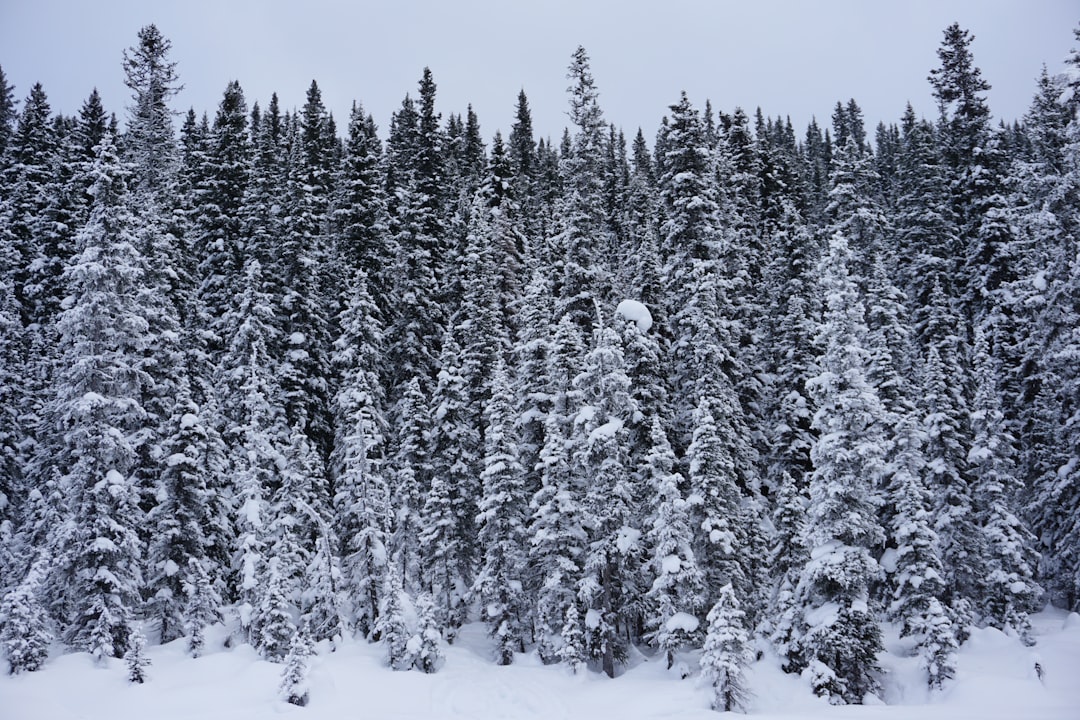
column 789, row 57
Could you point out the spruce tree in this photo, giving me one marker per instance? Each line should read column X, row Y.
column 1007, row 589
column 677, row 589
column 294, row 676
column 725, row 655
column 840, row 637
column 103, row 335
column 499, row 584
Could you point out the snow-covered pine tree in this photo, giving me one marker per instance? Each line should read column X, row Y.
column 179, row 518
column 103, row 337
column 294, row 676
column 425, row 645
column 362, row 239
column 1007, row 590
column 582, row 205
column 219, row 222
column 251, row 400
column 272, row 619
column 135, row 658
column 946, row 419
column 601, row 460
column 839, row 636
column 499, row 584
column 390, row 626
column 301, row 281
column 720, row 542
column 29, row 186
column 151, row 76
column 412, row 474
column 449, row 509
column 572, row 653
column 726, row 653
column 25, row 628
column 362, row 509
column 915, row 574
column 203, row 606
column 678, row 585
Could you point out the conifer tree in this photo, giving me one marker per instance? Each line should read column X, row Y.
column 499, row 583
column 425, row 645
column 447, row 541
column 203, row 605
column 1007, row 589
column 152, row 78
column 8, row 114
column 677, row 590
column 848, row 456
column 180, row 518
column 103, row 336
column 600, row 458
column 725, row 654
column 582, row 209
column 917, row 580
column 294, row 676
column 362, row 508
column 390, row 626
column 25, row 633
column 412, row 475
column 135, row 658
column 572, row 653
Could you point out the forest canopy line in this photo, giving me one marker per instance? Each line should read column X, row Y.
column 744, row 388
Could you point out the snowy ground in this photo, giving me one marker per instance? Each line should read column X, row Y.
column 996, row 680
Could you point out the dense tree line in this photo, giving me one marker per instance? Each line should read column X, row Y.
column 739, row 385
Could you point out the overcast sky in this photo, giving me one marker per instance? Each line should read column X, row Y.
column 788, row 57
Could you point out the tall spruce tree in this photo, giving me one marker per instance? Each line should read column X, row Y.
column 841, row 643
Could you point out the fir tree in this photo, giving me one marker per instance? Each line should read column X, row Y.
column 103, row 336
column 294, row 676
column 677, row 590
column 135, row 658
column 390, row 626
column 726, row 654
column 1007, row 591
column 25, row 634
column 425, row 645
column 501, row 520
column 841, row 645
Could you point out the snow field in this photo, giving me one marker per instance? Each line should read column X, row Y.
column 996, row 680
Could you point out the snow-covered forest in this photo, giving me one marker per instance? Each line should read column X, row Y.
column 283, row 381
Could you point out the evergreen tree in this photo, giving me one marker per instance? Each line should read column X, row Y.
column 294, row 677
column 103, row 335
column 425, row 645
column 499, row 584
column 362, row 509
column 841, row 645
column 203, row 605
column 412, row 475
column 582, row 208
column 390, row 626
column 152, row 78
column 917, row 579
column 8, row 115
column 25, row 634
column 136, row 660
column 179, row 519
column 572, row 653
column 600, row 459
column 720, row 533
column 1008, row 591
column 726, row 654
column 447, row 540
column 677, row 590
